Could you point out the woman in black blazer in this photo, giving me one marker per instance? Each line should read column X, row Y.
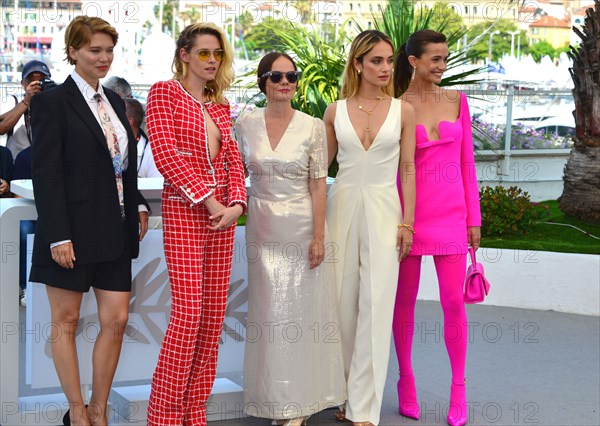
column 85, row 186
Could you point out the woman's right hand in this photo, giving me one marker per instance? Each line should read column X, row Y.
column 222, row 217
column 404, row 240
column 225, row 217
column 212, row 205
column 316, row 252
column 64, row 255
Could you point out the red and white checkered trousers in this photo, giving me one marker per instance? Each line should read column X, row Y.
column 199, row 264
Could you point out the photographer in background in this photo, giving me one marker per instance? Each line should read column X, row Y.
column 15, row 122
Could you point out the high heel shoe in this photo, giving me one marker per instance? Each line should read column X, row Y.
column 67, row 417
column 458, row 410
column 407, row 397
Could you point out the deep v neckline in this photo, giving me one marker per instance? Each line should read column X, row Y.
column 378, row 132
column 285, row 132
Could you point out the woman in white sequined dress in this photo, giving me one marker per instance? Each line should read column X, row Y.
column 293, row 362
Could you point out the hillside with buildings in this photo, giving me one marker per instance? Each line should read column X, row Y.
column 32, row 29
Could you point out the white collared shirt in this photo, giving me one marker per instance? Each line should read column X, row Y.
column 146, row 166
column 88, row 94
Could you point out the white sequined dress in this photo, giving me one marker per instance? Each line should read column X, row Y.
column 293, row 361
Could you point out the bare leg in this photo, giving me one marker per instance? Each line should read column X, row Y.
column 64, row 311
column 113, row 311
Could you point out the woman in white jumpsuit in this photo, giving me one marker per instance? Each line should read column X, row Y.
column 373, row 135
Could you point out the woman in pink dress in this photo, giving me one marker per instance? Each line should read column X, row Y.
column 447, row 215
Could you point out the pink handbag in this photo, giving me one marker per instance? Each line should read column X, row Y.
column 476, row 286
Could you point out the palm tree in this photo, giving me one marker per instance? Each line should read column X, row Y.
column 190, row 16
column 581, row 192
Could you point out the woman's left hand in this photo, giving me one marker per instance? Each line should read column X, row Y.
column 225, row 218
column 474, row 236
column 143, row 224
column 316, row 253
column 404, row 242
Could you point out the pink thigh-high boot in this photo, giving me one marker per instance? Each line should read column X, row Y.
column 451, row 275
column 404, row 329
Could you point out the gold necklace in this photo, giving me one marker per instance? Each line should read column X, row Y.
column 369, row 112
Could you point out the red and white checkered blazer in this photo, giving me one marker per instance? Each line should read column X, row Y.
column 179, row 143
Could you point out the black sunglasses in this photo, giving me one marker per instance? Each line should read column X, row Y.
column 275, row 76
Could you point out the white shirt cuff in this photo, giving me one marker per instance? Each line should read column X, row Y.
column 59, row 243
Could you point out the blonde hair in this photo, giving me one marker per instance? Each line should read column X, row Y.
column 361, row 46
column 216, row 88
column 80, row 32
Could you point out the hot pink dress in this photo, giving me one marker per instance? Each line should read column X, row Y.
column 447, row 199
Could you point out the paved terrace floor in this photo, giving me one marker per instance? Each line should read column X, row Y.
column 524, row 367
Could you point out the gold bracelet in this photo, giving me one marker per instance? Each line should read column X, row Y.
column 404, row 225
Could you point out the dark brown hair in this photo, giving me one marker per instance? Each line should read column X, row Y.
column 266, row 64
column 415, row 46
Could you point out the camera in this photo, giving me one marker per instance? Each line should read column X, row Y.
column 47, row 83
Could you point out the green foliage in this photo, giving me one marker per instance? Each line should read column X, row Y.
column 168, row 12
column 542, row 48
column 266, row 35
column 566, row 49
column 304, row 8
column 500, row 42
column 244, row 21
column 550, row 233
column 397, row 20
column 506, row 211
column 191, row 16
column 442, row 18
column 400, row 19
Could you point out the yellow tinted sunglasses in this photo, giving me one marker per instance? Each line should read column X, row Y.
column 204, row 54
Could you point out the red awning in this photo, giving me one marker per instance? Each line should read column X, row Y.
column 34, row 39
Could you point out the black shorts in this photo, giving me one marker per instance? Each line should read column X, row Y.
column 112, row 276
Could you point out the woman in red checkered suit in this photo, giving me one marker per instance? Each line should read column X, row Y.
column 189, row 125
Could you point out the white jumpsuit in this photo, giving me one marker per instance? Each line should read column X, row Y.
column 362, row 214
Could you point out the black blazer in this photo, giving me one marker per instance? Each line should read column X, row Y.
column 74, row 181
column 6, row 167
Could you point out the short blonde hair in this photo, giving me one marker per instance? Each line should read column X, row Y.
column 80, row 32
column 215, row 89
column 361, row 46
